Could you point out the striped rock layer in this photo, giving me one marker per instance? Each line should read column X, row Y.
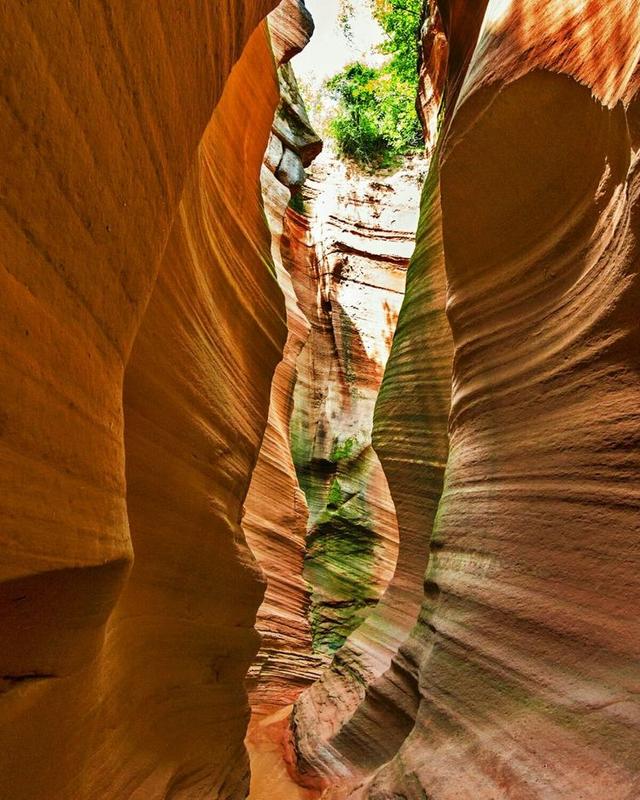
column 520, row 679
column 139, row 303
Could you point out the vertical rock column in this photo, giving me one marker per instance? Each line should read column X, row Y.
column 275, row 520
column 364, row 709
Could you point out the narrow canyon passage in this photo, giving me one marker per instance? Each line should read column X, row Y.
column 319, row 408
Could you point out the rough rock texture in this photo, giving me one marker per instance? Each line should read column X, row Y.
column 121, row 682
column 414, row 464
column 350, row 286
column 275, row 520
column 324, row 711
column 523, row 668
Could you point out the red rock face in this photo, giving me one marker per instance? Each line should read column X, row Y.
column 520, row 677
column 121, row 681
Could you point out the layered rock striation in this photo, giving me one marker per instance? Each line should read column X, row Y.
column 275, row 520
column 520, row 678
column 360, row 234
column 134, row 255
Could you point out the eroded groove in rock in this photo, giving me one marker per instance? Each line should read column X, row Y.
column 103, row 108
column 529, row 631
column 327, row 706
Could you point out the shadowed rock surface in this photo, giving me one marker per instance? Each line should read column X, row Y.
column 443, row 513
column 134, row 252
column 520, row 677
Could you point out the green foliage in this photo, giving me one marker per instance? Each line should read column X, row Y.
column 343, row 450
column 400, row 20
column 344, row 18
column 376, row 120
column 334, row 497
column 296, row 202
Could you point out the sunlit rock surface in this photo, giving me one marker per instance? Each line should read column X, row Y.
column 275, row 520
column 120, row 681
column 520, row 679
column 414, row 464
column 360, row 236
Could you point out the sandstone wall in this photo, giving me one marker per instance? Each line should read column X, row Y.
column 520, row 679
column 532, row 584
column 275, row 521
column 364, row 709
column 350, row 282
column 121, row 681
column 141, row 325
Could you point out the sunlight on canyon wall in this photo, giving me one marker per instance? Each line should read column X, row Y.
column 520, row 678
column 432, row 451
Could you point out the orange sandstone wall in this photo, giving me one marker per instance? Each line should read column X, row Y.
column 520, row 678
column 275, row 519
column 121, row 682
column 529, row 687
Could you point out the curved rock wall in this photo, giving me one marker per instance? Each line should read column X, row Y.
column 275, row 520
column 361, row 233
column 118, row 681
column 141, row 325
column 520, row 678
column 529, row 686
column 366, row 710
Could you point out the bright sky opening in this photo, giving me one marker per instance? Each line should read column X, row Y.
column 330, row 49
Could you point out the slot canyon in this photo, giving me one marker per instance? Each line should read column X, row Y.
column 320, row 400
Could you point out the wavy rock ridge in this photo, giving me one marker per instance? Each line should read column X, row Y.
column 275, row 527
column 134, row 254
column 520, row 678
